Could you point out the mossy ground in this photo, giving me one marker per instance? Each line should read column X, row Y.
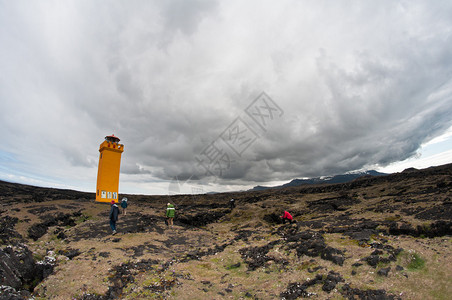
column 206, row 263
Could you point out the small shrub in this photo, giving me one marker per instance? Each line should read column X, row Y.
column 205, row 266
column 233, row 266
column 82, row 218
column 411, row 260
column 392, row 218
column 416, row 262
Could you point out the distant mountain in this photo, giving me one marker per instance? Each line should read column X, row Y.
column 260, row 188
column 321, row 180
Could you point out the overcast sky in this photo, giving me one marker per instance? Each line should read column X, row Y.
column 224, row 94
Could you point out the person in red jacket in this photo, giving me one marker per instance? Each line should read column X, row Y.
column 286, row 216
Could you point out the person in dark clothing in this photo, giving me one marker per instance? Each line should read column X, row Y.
column 286, row 216
column 114, row 212
column 124, row 205
column 232, row 203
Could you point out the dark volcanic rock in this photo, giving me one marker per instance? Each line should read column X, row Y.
column 439, row 228
column 202, row 219
column 243, row 235
column 124, row 274
column 92, row 297
column 332, row 279
column 313, row 244
column 61, row 236
column 42, row 209
column 357, row 229
column 256, row 257
column 273, row 218
column 196, row 255
column 435, row 229
column 104, row 254
column 7, row 232
column 296, row 290
column 362, row 236
column 440, row 212
column 372, row 260
column 70, row 253
column 26, row 193
column 38, row 230
column 10, row 293
column 19, row 270
column 254, row 199
column 384, row 271
column 377, row 256
column 351, row 293
column 340, row 203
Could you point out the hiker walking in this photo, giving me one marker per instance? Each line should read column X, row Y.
column 286, row 216
column 124, row 205
column 170, row 213
column 114, row 212
column 232, row 203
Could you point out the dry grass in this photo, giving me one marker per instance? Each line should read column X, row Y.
column 225, row 274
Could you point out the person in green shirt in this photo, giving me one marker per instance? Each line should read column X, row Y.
column 170, row 213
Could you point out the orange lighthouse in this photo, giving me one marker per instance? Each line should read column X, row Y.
column 108, row 169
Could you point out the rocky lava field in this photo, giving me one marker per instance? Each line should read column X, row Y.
column 374, row 238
